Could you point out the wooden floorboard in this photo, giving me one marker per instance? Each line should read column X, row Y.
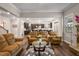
column 62, row 50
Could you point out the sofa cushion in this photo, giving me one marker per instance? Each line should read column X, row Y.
column 32, row 39
column 3, row 42
column 11, row 49
column 20, row 44
column 33, row 36
column 18, row 39
column 10, row 38
column 5, row 54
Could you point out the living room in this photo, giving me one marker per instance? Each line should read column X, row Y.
column 39, row 29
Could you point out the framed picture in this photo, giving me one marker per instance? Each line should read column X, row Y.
column 14, row 25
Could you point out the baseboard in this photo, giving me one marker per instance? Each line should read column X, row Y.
column 72, row 49
column 66, row 43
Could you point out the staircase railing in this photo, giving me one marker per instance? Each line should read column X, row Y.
column 2, row 29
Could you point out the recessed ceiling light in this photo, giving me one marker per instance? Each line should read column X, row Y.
column 27, row 18
column 8, row 13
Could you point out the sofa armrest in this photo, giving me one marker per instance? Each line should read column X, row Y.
column 28, row 36
column 19, row 39
column 5, row 54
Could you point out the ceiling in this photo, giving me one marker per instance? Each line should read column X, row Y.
column 41, row 7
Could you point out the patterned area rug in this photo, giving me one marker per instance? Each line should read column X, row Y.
column 47, row 52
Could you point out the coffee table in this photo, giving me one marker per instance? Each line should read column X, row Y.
column 39, row 46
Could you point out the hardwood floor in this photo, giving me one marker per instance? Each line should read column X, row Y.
column 62, row 50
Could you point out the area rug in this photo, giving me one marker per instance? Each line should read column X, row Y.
column 47, row 52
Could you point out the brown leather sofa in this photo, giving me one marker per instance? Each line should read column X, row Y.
column 33, row 36
column 9, row 45
column 56, row 40
column 5, row 54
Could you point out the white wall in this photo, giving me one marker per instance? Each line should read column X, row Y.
column 15, row 26
column 18, row 31
column 58, row 25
